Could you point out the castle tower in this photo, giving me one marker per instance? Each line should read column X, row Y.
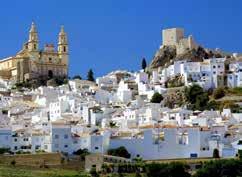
column 191, row 43
column 172, row 36
column 63, row 46
column 33, row 42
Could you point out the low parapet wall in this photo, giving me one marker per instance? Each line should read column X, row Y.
column 49, row 159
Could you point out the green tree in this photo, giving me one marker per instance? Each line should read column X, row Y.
column 4, row 150
column 90, row 75
column 219, row 93
column 212, row 105
column 220, row 168
column 144, row 64
column 77, row 77
column 196, row 97
column 173, row 169
column 192, row 92
column 201, row 101
column 82, row 153
column 120, row 151
column 156, row 98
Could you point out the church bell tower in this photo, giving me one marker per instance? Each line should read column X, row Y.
column 33, row 42
column 63, row 46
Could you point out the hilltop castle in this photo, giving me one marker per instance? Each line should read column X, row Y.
column 175, row 37
column 31, row 62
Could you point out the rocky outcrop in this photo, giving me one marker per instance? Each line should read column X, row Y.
column 166, row 56
column 163, row 56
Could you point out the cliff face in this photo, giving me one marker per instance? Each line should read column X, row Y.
column 166, row 56
column 163, row 57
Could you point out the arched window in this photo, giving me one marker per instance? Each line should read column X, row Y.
column 64, row 49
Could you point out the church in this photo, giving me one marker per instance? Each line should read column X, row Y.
column 32, row 62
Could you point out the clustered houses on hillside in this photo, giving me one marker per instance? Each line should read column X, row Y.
column 210, row 73
column 116, row 110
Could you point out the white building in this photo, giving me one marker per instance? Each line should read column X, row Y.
column 5, row 138
column 176, row 143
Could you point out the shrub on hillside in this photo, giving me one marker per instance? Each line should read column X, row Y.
column 223, row 168
column 56, row 81
column 196, row 98
column 4, row 150
column 156, row 98
column 173, row 169
column 192, row 92
column 219, row 93
column 235, row 108
column 82, row 153
column 174, row 99
column 77, row 77
column 177, row 81
column 121, row 152
column 237, row 90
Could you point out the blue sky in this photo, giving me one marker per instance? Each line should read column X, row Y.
column 115, row 34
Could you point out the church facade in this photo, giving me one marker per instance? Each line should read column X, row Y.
column 32, row 63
